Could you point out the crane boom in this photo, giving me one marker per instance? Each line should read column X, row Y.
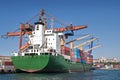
column 18, row 33
column 62, row 29
column 80, row 38
column 56, row 29
column 84, row 43
column 93, row 48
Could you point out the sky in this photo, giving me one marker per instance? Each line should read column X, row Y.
column 101, row 16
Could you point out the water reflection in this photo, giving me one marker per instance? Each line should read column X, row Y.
column 93, row 75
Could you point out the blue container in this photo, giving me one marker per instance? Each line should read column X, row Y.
column 83, row 61
column 76, row 53
column 76, row 56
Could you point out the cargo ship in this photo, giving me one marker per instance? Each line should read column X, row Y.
column 45, row 48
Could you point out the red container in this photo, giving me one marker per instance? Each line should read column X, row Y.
column 89, row 59
column 7, row 63
column 77, row 60
column 65, row 50
column 83, row 58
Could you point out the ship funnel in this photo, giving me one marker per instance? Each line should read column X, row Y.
column 39, row 22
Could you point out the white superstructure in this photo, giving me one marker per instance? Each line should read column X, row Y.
column 52, row 40
column 37, row 36
column 42, row 41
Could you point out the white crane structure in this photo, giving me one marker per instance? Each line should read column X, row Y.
column 77, row 39
column 84, row 43
column 93, row 48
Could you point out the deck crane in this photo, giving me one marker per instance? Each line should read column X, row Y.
column 92, row 48
column 84, row 43
column 27, row 28
column 77, row 39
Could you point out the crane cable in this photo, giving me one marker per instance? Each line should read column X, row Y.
column 42, row 12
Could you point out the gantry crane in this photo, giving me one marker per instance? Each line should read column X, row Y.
column 28, row 28
column 84, row 43
column 92, row 48
column 77, row 39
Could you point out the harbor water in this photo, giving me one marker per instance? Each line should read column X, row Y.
column 92, row 75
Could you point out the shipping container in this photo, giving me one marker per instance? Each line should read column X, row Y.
column 7, row 66
column 83, row 61
column 89, row 59
column 86, row 58
column 7, row 63
column 65, row 50
column 77, row 60
column 77, row 53
column 75, row 56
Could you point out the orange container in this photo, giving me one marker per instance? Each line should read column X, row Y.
column 65, row 50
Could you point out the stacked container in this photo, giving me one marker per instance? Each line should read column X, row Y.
column 90, row 59
column 72, row 55
column 7, row 66
column 77, row 55
column 83, row 57
column 65, row 50
column 86, row 58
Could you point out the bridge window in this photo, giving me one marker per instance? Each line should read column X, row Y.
column 37, row 27
column 34, row 50
column 37, row 50
column 46, row 53
column 31, row 50
column 30, row 47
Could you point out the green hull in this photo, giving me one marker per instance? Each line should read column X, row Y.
column 47, row 63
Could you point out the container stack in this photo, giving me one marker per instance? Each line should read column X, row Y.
column 77, row 55
column 83, row 57
column 90, row 59
column 65, row 50
column 72, row 55
column 86, row 58
column 6, row 64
